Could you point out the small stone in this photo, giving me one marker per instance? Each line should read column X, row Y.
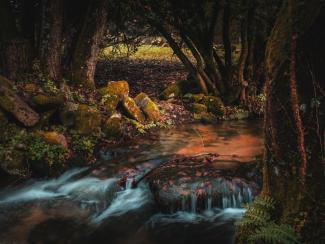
column 149, row 107
column 53, row 137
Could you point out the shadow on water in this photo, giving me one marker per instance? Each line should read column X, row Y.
column 89, row 206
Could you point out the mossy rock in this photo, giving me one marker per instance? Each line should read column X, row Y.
column 239, row 115
column 14, row 162
column 132, row 110
column 53, row 137
column 148, row 106
column 208, row 118
column 119, row 88
column 31, row 88
column 113, row 127
column 214, row 105
column 68, row 114
column 197, row 108
column 3, row 119
column 43, row 102
column 110, row 104
column 179, row 89
column 87, row 120
column 193, row 98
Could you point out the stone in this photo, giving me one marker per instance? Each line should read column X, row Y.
column 113, row 126
column 132, row 110
column 68, row 114
column 110, row 103
column 239, row 115
column 13, row 162
column 119, row 88
column 214, row 105
column 44, row 102
column 87, row 120
column 13, row 104
column 179, row 89
column 197, row 108
column 208, row 118
column 193, row 98
column 148, row 106
column 31, row 88
column 53, row 137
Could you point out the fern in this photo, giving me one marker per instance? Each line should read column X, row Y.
column 274, row 233
column 256, row 226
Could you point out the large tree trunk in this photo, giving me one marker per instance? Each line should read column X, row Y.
column 295, row 118
column 88, row 45
column 50, row 48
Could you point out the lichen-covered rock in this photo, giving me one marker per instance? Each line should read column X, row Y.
column 132, row 110
column 119, row 88
column 110, row 103
column 44, row 102
column 148, row 106
column 113, row 126
column 87, row 120
column 68, row 114
column 197, row 108
column 214, row 105
column 53, row 137
column 13, row 104
column 193, row 98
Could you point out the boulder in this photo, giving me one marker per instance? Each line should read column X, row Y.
column 68, row 114
column 53, row 137
column 119, row 88
column 193, row 98
column 113, row 126
column 44, row 102
column 214, row 105
column 87, row 120
column 13, row 104
column 149, row 107
column 132, row 110
column 110, row 103
column 179, row 89
column 197, row 183
column 197, row 108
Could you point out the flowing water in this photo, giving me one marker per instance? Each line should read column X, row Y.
column 88, row 205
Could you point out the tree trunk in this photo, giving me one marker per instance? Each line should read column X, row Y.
column 88, row 45
column 51, row 38
column 294, row 125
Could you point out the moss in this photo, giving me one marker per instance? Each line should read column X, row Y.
column 132, row 110
column 119, row 88
column 214, row 105
column 171, row 91
column 197, row 108
column 180, row 88
column 193, row 98
column 208, row 118
column 149, row 107
column 68, row 114
column 113, row 127
column 87, row 120
column 44, row 102
column 110, row 103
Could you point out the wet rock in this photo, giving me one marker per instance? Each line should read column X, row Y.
column 148, row 106
column 44, row 102
column 113, row 127
column 132, row 110
column 68, row 114
column 87, row 120
column 214, row 105
column 197, row 108
column 13, row 104
column 119, row 88
column 53, row 137
column 196, row 184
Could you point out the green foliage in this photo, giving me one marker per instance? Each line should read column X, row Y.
column 83, row 144
column 50, row 87
column 257, row 224
column 41, row 151
column 142, row 128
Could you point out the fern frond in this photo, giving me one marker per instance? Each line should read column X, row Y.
column 273, row 233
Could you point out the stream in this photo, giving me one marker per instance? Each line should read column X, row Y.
column 90, row 205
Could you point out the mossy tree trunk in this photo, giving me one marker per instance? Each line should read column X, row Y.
column 295, row 117
column 88, row 45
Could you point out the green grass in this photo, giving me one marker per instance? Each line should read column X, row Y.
column 144, row 52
